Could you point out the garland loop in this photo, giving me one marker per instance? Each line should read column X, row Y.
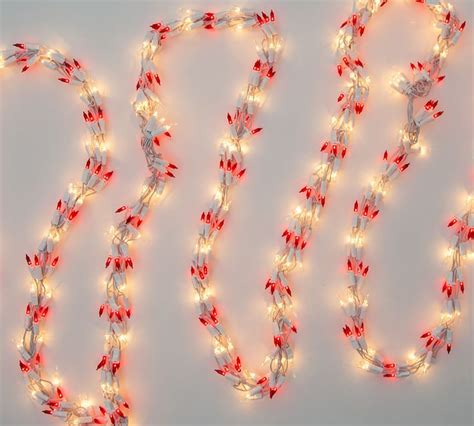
column 424, row 75
column 46, row 390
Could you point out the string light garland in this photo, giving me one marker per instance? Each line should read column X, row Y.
column 154, row 130
column 45, row 389
column 366, row 209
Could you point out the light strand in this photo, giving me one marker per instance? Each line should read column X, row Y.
column 231, row 170
column 46, row 389
column 424, row 75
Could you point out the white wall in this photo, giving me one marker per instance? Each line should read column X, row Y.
column 168, row 367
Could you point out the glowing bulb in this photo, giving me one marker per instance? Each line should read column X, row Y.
column 56, row 381
column 86, row 403
column 446, row 316
column 205, row 248
column 72, row 189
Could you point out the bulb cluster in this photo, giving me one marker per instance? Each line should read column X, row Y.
column 46, row 389
column 424, row 75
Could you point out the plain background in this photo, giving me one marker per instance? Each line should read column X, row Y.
column 168, row 372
